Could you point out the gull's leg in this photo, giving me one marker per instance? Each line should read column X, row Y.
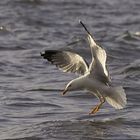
column 98, row 106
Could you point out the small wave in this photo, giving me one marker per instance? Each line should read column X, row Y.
column 135, row 66
column 24, row 138
column 27, row 104
column 43, row 89
column 130, row 68
column 129, row 36
column 4, row 30
column 15, row 48
column 22, row 99
column 29, row 2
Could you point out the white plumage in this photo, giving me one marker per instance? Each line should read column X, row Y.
column 94, row 78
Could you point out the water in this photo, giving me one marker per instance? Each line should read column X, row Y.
column 31, row 105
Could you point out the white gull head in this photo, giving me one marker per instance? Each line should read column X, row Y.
column 75, row 84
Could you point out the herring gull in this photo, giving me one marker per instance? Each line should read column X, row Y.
column 93, row 78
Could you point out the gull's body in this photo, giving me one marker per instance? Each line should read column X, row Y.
column 95, row 77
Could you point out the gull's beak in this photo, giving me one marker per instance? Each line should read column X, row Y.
column 64, row 92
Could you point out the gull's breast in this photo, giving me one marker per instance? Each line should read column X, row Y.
column 94, row 85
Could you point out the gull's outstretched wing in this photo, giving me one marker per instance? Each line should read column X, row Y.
column 99, row 56
column 66, row 60
column 98, row 65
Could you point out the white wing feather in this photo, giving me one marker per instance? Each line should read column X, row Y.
column 117, row 97
column 67, row 61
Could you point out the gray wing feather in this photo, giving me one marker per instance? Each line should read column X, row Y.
column 66, row 60
column 98, row 67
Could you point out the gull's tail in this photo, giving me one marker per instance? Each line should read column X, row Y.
column 116, row 97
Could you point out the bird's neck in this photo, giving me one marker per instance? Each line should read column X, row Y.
column 79, row 82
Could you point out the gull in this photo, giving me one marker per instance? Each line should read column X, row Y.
column 94, row 78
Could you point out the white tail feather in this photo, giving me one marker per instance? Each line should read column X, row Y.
column 116, row 97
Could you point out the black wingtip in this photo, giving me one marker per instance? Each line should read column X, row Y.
column 84, row 27
column 48, row 54
column 42, row 53
column 80, row 21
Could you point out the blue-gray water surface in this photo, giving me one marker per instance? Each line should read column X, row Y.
column 31, row 105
